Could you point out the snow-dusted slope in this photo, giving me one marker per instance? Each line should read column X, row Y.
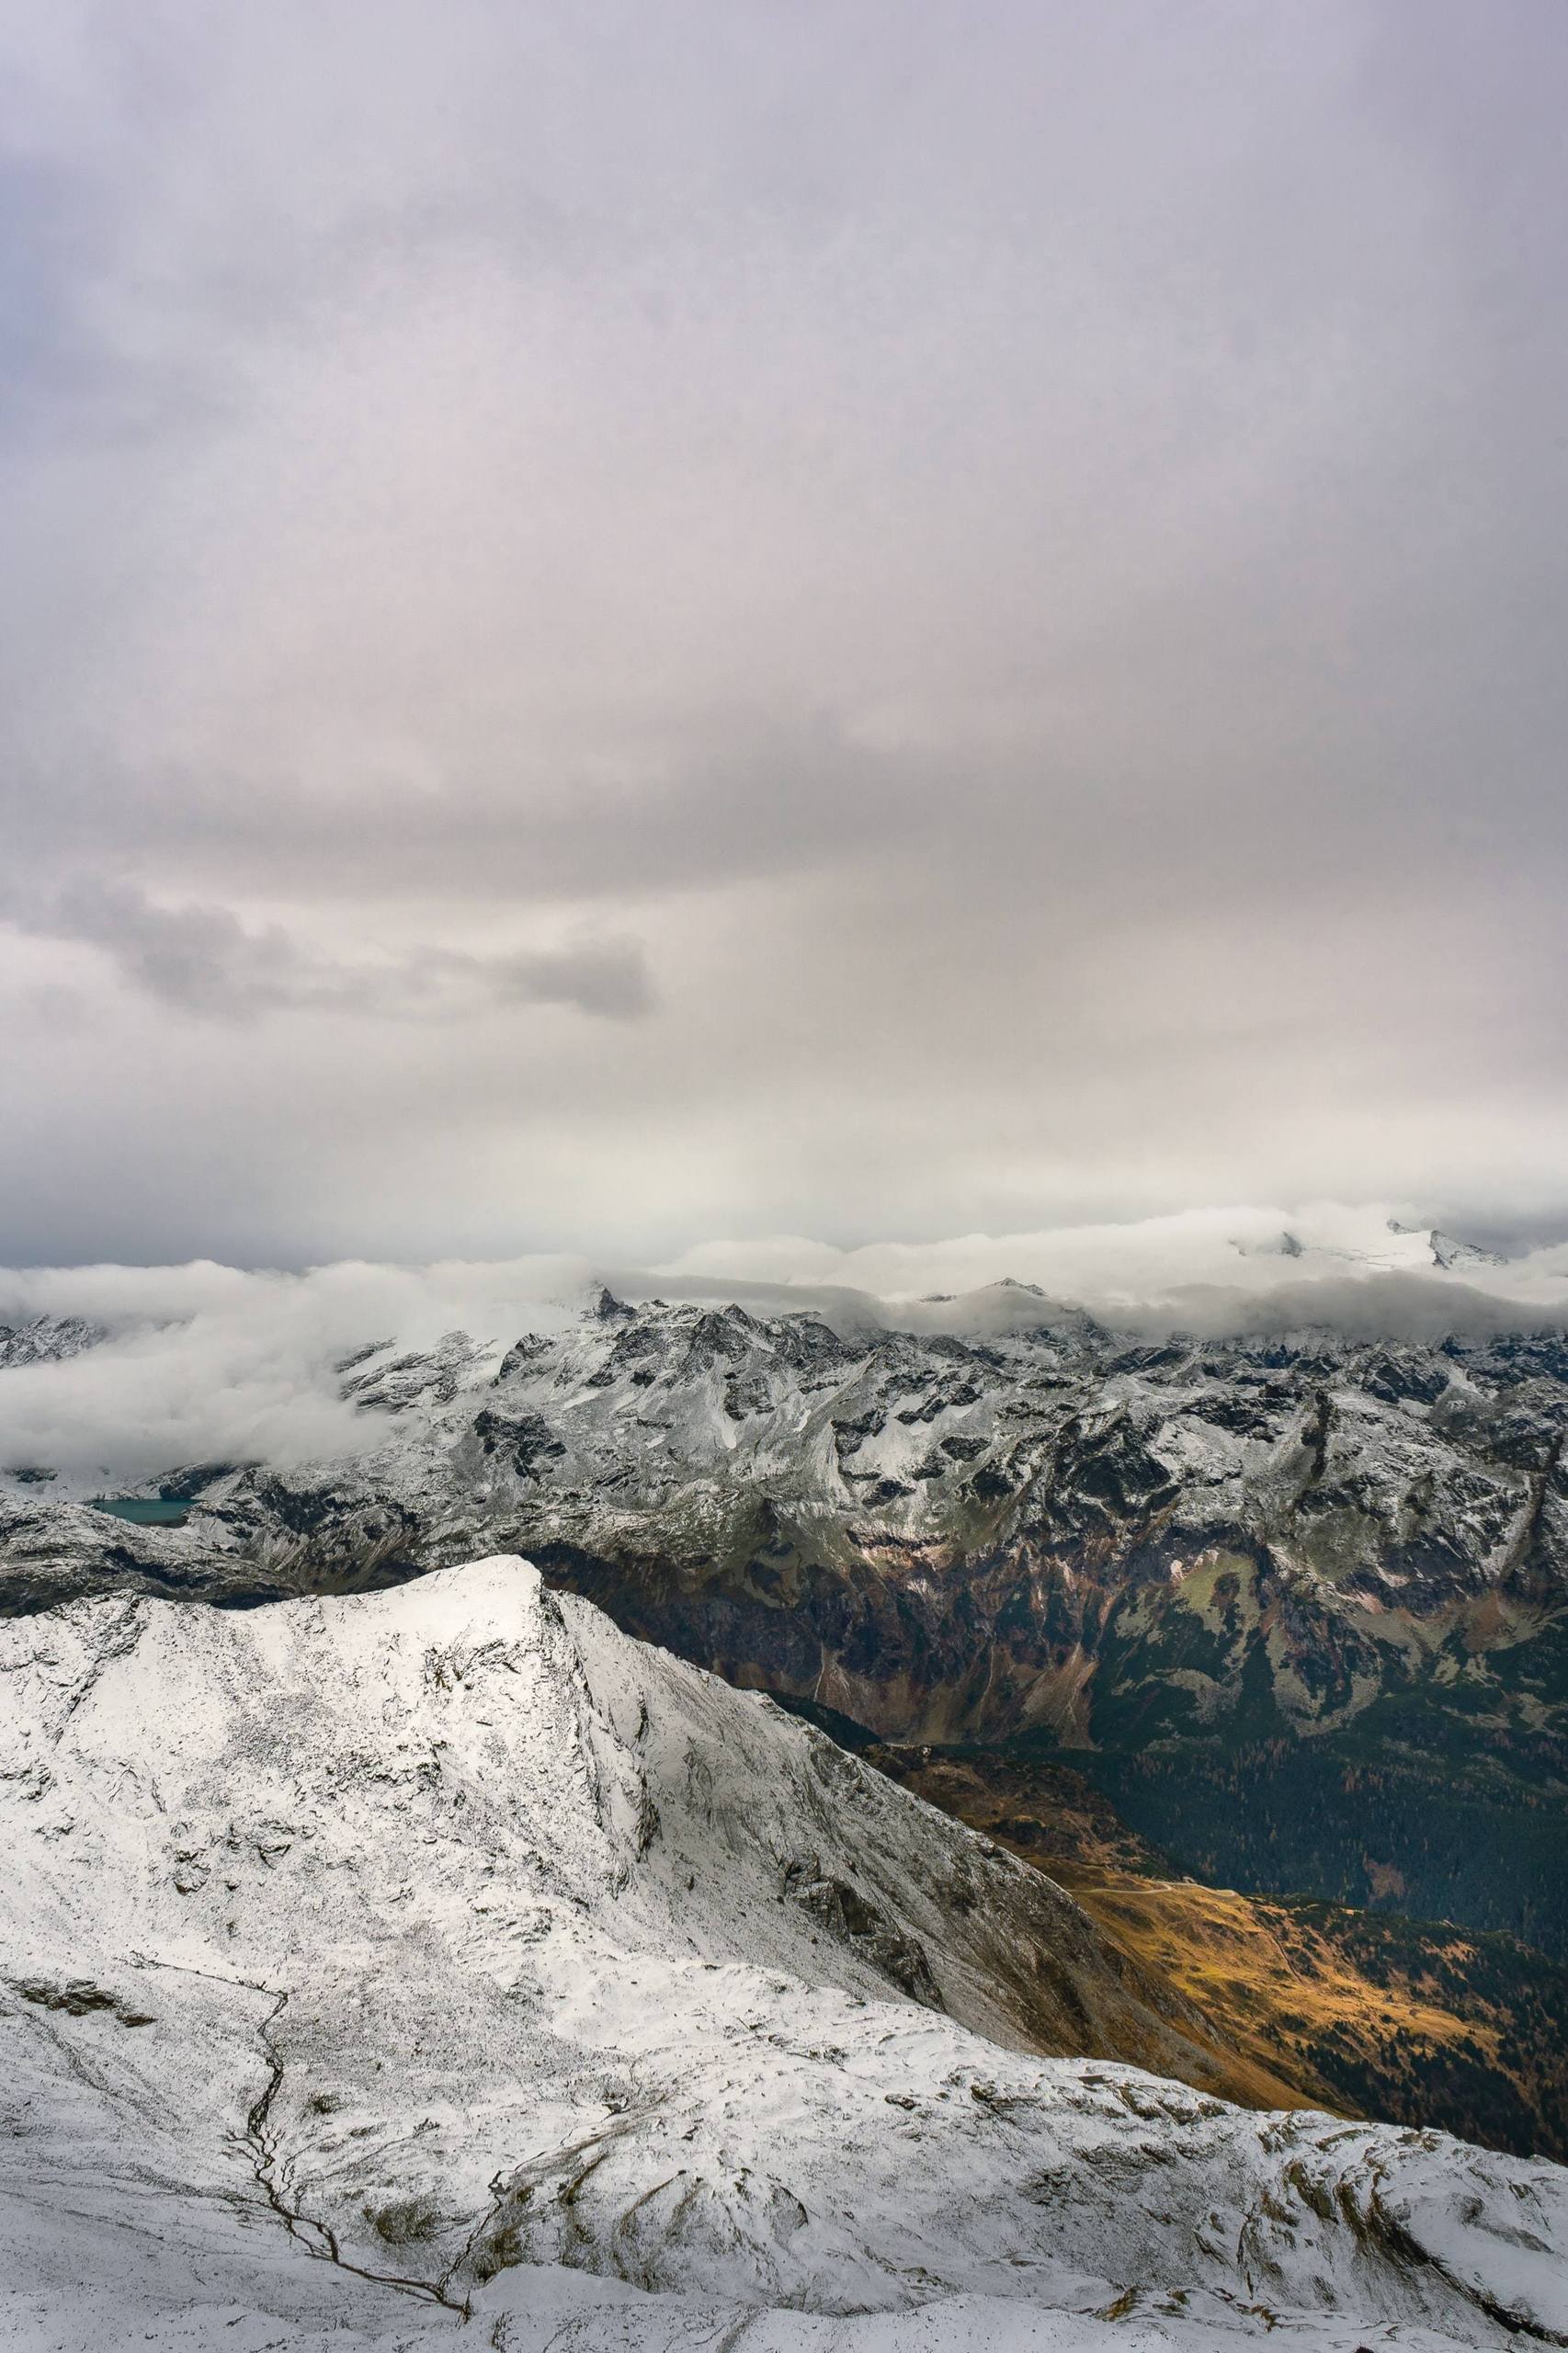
column 441, row 1935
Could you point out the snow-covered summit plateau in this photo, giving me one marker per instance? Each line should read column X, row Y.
column 383, row 1968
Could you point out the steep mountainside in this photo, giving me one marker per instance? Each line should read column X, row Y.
column 1299, row 1604
column 433, row 1937
column 1370, row 2013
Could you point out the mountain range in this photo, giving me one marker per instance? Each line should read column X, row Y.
column 1239, row 1655
column 1330, row 1572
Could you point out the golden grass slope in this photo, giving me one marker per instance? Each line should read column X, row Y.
column 1307, row 2004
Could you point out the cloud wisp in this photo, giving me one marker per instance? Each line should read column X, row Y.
column 204, row 960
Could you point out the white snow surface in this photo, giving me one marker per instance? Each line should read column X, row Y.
column 435, row 1965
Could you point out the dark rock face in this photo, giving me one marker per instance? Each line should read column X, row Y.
column 852, row 1919
column 1302, row 1603
column 78, row 1998
column 529, row 1441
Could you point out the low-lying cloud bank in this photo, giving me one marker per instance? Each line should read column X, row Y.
column 211, row 1363
column 1117, row 1270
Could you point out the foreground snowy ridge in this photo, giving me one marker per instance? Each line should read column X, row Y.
column 382, row 1967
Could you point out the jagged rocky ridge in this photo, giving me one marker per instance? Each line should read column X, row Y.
column 1298, row 1602
column 364, row 1956
column 47, row 1339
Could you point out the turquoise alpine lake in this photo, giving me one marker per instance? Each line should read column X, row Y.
column 145, row 1511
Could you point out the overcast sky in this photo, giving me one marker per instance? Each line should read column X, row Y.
column 626, row 624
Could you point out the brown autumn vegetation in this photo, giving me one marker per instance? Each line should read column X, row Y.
column 1315, row 2003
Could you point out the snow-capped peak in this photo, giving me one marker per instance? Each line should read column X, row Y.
column 443, row 1934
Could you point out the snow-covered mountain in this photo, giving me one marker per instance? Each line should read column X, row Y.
column 373, row 1963
column 1398, row 1249
column 47, row 1339
column 1302, row 1598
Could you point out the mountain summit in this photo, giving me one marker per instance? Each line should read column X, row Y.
column 437, row 1935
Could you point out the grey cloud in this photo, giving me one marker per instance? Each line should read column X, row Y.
column 1372, row 1307
column 608, row 978
column 201, row 960
column 204, row 960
